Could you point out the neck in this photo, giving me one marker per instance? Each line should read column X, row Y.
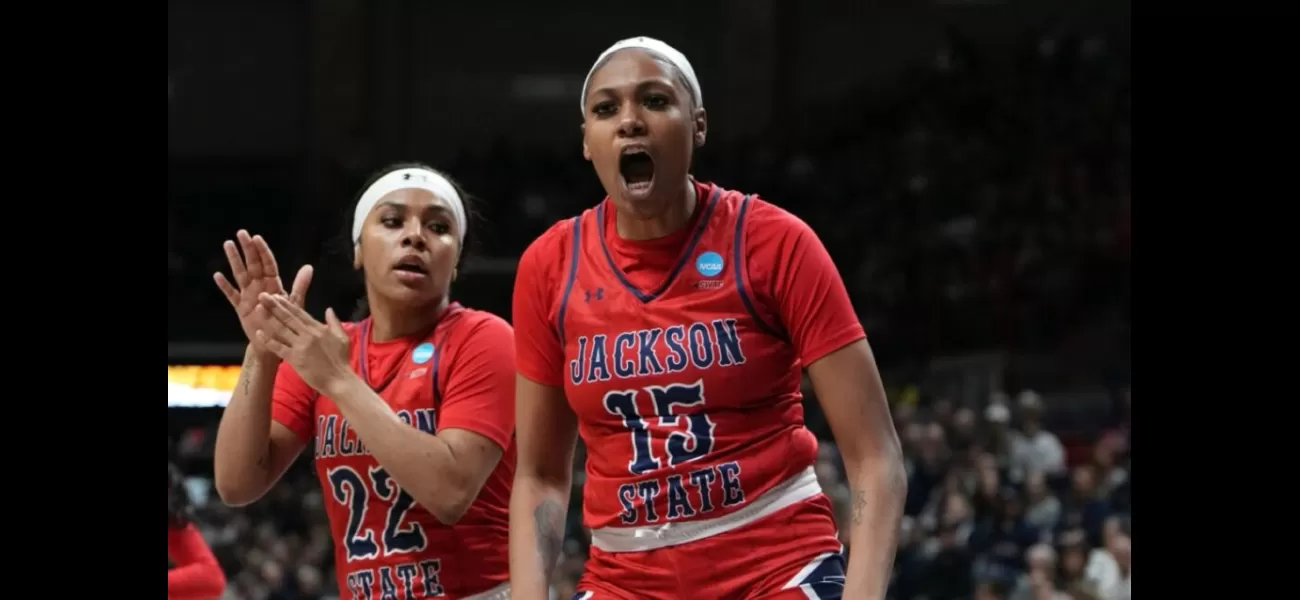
column 390, row 323
column 674, row 216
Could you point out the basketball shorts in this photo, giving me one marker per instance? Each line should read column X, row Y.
column 794, row 553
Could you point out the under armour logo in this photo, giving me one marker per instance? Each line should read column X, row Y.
column 589, row 295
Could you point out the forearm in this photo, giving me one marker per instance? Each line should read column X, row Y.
column 242, row 455
column 537, row 514
column 422, row 464
column 879, row 491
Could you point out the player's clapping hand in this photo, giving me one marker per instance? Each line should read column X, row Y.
column 317, row 351
column 256, row 273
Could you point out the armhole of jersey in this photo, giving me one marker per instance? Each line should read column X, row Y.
column 741, row 270
column 569, row 278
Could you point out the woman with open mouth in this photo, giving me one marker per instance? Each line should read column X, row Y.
column 668, row 326
column 408, row 410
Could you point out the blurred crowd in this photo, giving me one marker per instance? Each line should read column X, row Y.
column 999, row 507
column 986, row 205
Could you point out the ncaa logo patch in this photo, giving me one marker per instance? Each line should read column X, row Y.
column 422, row 353
column 709, row 264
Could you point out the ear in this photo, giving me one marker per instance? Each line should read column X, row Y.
column 454, row 274
column 701, row 127
column 586, row 152
column 356, row 256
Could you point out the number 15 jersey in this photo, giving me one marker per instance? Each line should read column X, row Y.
column 682, row 356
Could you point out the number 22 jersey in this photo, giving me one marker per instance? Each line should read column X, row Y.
column 385, row 545
column 681, row 358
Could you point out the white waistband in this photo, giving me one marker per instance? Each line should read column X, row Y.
column 500, row 592
column 640, row 539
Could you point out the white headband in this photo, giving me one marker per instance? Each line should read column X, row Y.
column 662, row 50
column 409, row 179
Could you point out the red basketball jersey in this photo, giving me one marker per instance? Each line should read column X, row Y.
column 682, row 357
column 385, row 545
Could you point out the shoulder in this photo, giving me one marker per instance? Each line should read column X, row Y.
column 478, row 341
column 470, row 322
column 541, row 266
column 770, row 218
column 765, row 229
column 471, row 330
column 756, row 212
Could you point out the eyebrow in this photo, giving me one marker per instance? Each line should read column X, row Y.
column 402, row 207
column 641, row 86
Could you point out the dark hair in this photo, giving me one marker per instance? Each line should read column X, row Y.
column 178, row 500
column 362, row 309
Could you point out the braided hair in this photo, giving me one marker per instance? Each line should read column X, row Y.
column 178, row 500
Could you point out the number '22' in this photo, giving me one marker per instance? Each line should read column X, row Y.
column 350, row 490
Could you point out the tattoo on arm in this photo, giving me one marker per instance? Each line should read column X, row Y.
column 246, row 373
column 859, row 505
column 549, row 517
column 246, row 382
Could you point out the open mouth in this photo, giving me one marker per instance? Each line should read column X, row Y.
column 637, row 168
column 412, row 265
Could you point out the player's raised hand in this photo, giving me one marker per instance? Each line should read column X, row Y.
column 317, row 351
column 255, row 273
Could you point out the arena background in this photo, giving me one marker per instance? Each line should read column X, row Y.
column 967, row 163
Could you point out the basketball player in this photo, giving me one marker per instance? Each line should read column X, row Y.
column 668, row 326
column 409, row 410
column 196, row 574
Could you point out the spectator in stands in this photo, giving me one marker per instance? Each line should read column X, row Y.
column 1038, row 582
column 1105, row 456
column 957, row 513
column 1032, row 447
column 1120, row 548
column 928, row 465
column 963, row 435
column 1073, row 551
column 1004, row 538
column 987, row 497
column 1044, row 508
column 998, row 434
column 1083, row 508
column 911, row 563
column 1104, row 570
column 950, row 572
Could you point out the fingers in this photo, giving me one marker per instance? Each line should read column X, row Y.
column 252, row 258
column 273, row 328
column 336, row 326
column 275, row 346
column 232, row 295
column 293, row 317
column 265, row 257
column 298, row 293
column 236, row 263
